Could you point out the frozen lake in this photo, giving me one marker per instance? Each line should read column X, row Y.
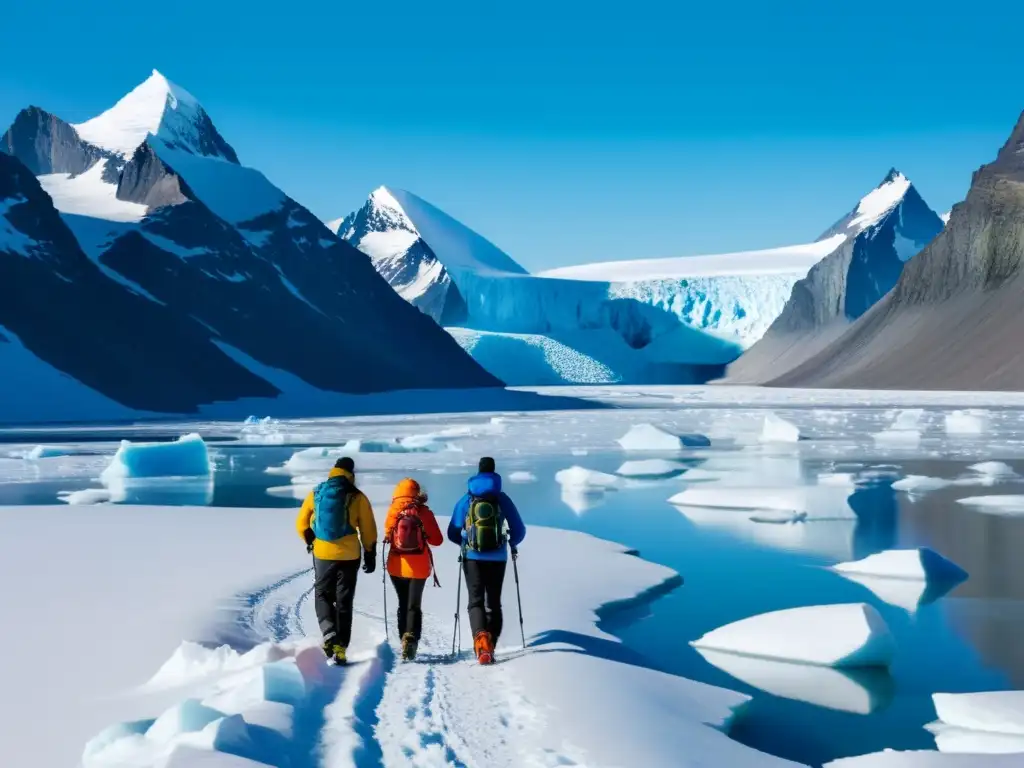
column 835, row 485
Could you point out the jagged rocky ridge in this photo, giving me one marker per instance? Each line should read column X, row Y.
column 955, row 317
column 886, row 229
column 178, row 227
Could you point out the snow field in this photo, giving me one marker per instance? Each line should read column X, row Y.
column 280, row 700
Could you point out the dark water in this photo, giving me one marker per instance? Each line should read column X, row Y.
column 969, row 640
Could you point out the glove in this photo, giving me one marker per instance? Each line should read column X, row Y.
column 369, row 561
column 515, row 552
column 310, row 537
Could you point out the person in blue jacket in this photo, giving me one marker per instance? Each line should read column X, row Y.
column 484, row 524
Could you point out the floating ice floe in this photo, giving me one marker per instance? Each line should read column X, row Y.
column 42, row 452
column 778, row 430
column 816, row 502
column 906, row 578
column 993, row 469
column 904, row 432
column 921, row 564
column 647, row 437
column 411, row 444
column 996, row 505
column 522, row 477
column 991, row 722
column 86, row 496
column 953, row 740
column 969, row 422
column 186, row 457
column 584, row 489
column 650, row 469
column 860, row 691
column 925, row 759
column 917, row 484
column 845, row 635
column 992, row 711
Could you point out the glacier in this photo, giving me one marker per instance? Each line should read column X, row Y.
column 649, row 321
column 680, row 321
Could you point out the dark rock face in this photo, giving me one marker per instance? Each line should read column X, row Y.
column 67, row 313
column 46, row 144
column 147, row 180
column 956, row 315
column 841, row 287
column 135, row 315
column 340, row 283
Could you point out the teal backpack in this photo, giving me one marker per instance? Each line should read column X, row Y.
column 331, row 500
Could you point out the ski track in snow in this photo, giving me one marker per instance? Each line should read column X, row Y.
column 405, row 713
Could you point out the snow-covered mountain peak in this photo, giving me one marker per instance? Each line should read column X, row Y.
column 160, row 108
column 391, row 220
column 873, row 207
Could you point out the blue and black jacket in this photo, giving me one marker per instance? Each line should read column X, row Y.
column 487, row 484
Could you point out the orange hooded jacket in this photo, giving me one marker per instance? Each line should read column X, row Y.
column 403, row 565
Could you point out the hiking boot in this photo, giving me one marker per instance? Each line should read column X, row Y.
column 409, row 644
column 338, row 654
column 483, row 647
column 328, row 645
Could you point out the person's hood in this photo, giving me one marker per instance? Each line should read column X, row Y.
column 406, row 489
column 485, row 483
column 339, row 472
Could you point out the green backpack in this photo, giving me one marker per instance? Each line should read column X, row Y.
column 485, row 525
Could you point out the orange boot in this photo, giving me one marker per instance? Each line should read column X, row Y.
column 484, row 647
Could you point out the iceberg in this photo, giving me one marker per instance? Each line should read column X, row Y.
column 844, row 635
column 584, row 489
column 647, row 437
column 925, row 759
column 860, row 691
column 778, row 430
column 970, row 422
column 906, row 578
column 186, row 457
column 996, row 505
column 650, row 469
column 991, row 711
column 954, row 740
column 817, row 502
column 917, row 564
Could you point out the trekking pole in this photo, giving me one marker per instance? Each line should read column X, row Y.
column 384, row 581
column 519, row 599
column 458, row 596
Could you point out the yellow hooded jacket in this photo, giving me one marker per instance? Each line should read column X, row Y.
column 360, row 514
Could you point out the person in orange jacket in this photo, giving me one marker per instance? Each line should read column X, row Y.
column 410, row 531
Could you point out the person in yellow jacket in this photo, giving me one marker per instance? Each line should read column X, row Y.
column 336, row 522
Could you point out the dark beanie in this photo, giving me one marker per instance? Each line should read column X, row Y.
column 346, row 463
column 486, row 464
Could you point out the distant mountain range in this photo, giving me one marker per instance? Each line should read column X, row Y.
column 140, row 258
column 678, row 320
column 955, row 318
column 886, row 229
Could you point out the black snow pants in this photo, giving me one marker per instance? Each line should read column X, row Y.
column 410, row 605
column 484, row 579
column 335, row 589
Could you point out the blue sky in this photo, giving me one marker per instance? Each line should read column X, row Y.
column 565, row 132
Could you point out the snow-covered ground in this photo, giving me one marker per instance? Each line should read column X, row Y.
column 217, row 574
column 120, row 659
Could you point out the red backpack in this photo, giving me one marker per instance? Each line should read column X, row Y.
column 408, row 538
